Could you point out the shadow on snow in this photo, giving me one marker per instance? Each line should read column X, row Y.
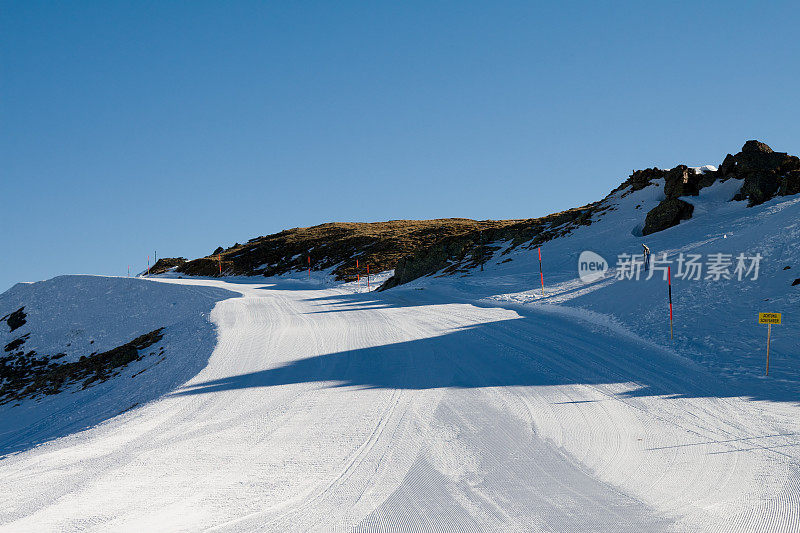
column 535, row 349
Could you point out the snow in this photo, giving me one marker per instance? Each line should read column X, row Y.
column 79, row 315
column 450, row 403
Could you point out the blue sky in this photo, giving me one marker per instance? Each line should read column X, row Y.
column 129, row 127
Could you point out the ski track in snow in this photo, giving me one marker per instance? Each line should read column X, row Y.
column 324, row 410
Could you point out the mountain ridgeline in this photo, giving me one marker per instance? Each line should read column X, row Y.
column 416, row 248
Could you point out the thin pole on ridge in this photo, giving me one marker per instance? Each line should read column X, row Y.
column 541, row 275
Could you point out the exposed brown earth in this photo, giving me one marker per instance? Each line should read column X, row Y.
column 412, row 247
column 165, row 264
column 377, row 244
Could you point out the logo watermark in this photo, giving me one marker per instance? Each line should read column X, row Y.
column 591, row 266
column 695, row 267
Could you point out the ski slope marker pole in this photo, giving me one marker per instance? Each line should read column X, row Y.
column 367, row 278
column 148, row 265
column 541, row 275
column 358, row 276
column 219, row 259
column 309, row 267
column 669, row 285
column 129, row 271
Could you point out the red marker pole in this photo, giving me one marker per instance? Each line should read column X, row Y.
column 541, row 276
column 669, row 285
column 309, row 267
column 219, row 259
column 367, row 278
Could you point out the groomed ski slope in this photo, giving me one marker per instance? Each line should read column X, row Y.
column 322, row 409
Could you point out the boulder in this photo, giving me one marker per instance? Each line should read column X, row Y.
column 667, row 214
column 681, row 181
column 756, row 146
column 757, row 156
column 728, row 165
column 790, row 183
column 758, row 187
column 765, row 172
column 639, row 179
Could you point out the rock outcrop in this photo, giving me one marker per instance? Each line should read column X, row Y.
column 165, row 264
column 681, row 181
column 766, row 173
column 336, row 247
column 668, row 213
column 16, row 319
column 459, row 254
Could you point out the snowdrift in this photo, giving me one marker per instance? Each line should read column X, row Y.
column 70, row 318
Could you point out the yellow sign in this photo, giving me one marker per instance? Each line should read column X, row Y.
column 769, row 318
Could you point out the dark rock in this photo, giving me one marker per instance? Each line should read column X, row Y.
column 758, row 187
column 16, row 343
column 16, row 319
column 756, row 146
column 35, row 376
column 707, row 178
column 667, row 214
column 765, row 173
column 796, row 282
column 219, row 250
column 681, row 181
column 727, row 166
column 639, row 179
column 790, row 182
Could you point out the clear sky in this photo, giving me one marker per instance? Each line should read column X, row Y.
column 133, row 127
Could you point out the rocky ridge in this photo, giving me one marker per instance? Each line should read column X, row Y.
column 452, row 246
column 765, row 174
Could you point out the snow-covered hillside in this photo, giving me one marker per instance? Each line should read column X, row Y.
column 72, row 317
column 716, row 320
column 469, row 402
